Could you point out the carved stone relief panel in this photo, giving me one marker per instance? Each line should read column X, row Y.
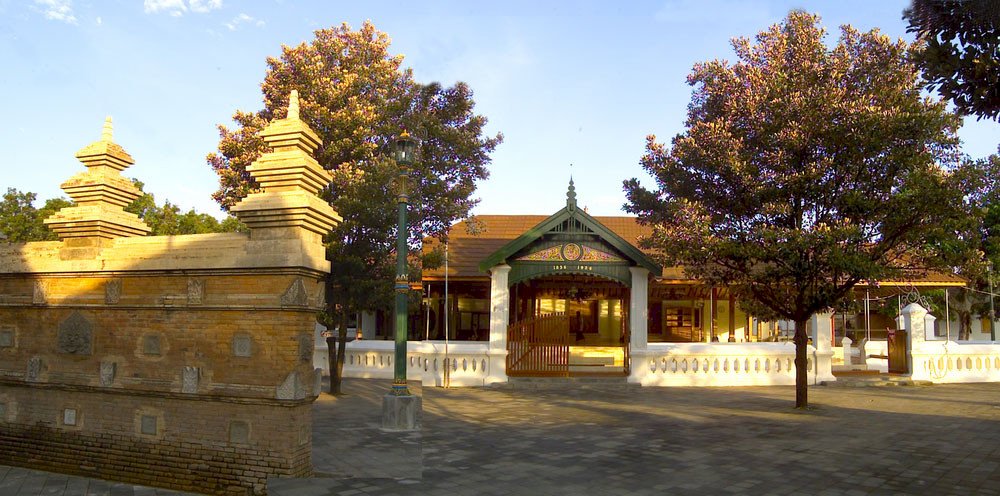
column 113, row 292
column 196, row 291
column 7, row 338
column 108, row 373
column 34, row 371
column 296, row 294
column 69, row 416
column 75, row 335
column 189, row 379
column 151, row 345
column 291, row 388
column 239, row 432
column 242, row 345
column 147, row 425
column 39, row 295
column 321, row 294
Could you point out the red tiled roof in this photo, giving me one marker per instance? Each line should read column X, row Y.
column 466, row 250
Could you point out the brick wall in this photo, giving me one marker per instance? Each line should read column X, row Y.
column 185, row 377
column 197, row 444
column 175, row 361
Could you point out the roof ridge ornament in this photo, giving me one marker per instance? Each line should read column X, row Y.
column 571, row 195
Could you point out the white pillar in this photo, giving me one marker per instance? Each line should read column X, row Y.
column 638, row 322
column 821, row 325
column 846, row 344
column 367, row 325
column 929, row 328
column 638, row 309
column 913, row 319
column 499, row 317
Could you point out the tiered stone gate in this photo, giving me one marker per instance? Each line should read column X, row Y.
column 176, row 361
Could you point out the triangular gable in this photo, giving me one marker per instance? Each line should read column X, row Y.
column 581, row 223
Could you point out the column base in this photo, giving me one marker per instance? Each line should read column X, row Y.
column 401, row 413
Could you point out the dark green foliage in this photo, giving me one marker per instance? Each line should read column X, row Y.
column 961, row 51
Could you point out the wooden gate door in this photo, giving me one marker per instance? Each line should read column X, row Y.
column 896, row 342
column 539, row 347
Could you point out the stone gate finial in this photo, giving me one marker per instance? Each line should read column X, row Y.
column 108, row 130
column 289, row 179
column 293, row 105
column 100, row 193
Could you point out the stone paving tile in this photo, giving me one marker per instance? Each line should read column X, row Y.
column 855, row 441
column 938, row 440
column 17, row 481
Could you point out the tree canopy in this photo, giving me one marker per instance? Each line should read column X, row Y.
column 803, row 170
column 357, row 97
column 21, row 222
column 167, row 220
column 961, row 51
column 355, row 94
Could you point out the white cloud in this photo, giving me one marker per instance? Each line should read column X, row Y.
column 178, row 8
column 234, row 24
column 57, row 10
column 99, row 21
column 202, row 6
column 172, row 7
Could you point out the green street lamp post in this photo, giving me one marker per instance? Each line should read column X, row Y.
column 405, row 150
column 401, row 409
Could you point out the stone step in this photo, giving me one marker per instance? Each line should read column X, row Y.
column 873, row 380
column 545, row 383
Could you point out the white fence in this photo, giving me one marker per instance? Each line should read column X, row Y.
column 462, row 364
column 661, row 364
column 716, row 364
column 952, row 361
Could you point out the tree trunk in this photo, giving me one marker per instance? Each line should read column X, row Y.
column 965, row 328
column 331, row 362
column 341, row 349
column 801, row 377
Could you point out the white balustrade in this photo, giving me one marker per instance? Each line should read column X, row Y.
column 464, row 364
column 661, row 364
column 952, row 361
column 469, row 362
column 716, row 364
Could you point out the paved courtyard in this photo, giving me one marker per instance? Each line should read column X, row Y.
column 935, row 440
column 887, row 440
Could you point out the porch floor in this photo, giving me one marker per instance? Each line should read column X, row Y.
column 596, row 361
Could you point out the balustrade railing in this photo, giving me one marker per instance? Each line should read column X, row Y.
column 952, row 361
column 715, row 364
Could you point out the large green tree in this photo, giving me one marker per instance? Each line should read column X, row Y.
column 167, row 219
column 21, row 222
column 357, row 96
column 971, row 244
column 960, row 53
column 803, row 170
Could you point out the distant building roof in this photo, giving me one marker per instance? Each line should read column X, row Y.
column 469, row 243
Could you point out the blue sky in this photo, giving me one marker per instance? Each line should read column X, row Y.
column 578, row 83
